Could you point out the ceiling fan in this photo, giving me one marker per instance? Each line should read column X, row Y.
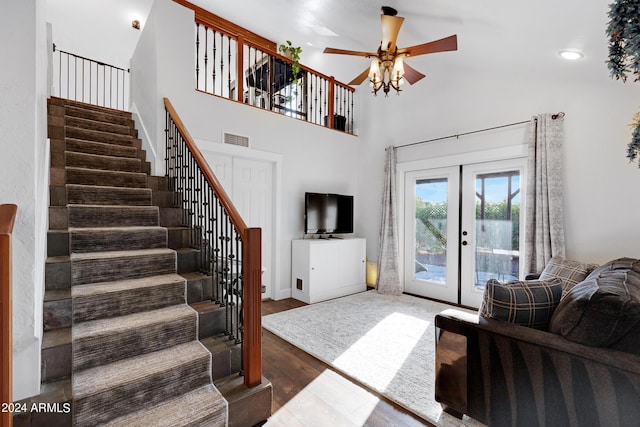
column 388, row 69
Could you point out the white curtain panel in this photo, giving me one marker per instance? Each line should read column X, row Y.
column 544, row 230
column 388, row 270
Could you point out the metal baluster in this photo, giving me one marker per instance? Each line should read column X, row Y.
column 206, row 40
column 110, row 85
column 229, row 67
column 238, row 290
column 213, row 86
column 197, row 55
column 221, row 65
column 323, row 100
column 351, row 113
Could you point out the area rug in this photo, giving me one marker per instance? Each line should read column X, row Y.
column 385, row 342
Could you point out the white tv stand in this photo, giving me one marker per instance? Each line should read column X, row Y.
column 323, row 269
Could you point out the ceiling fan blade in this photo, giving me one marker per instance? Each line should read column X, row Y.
column 443, row 45
column 361, row 77
column 411, row 74
column 390, row 29
column 348, row 52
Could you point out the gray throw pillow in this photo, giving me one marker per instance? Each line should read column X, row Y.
column 570, row 272
column 604, row 309
column 526, row 303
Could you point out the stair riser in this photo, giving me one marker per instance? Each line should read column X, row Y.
column 57, row 244
column 57, row 275
column 56, row 314
column 120, row 196
column 158, row 183
column 104, row 406
column 130, row 301
column 105, row 178
column 97, row 136
column 166, row 199
column 178, row 238
column 99, row 148
column 107, row 270
column 226, row 362
column 82, row 241
column 188, row 261
column 79, row 216
column 101, row 350
column 56, row 362
column 211, row 323
column 92, row 161
column 170, row 217
column 98, row 125
column 199, row 290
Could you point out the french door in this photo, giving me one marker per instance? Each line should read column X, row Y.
column 462, row 228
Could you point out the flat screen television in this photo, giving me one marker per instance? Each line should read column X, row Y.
column 328, row 213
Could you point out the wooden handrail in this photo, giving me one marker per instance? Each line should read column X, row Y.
column 7, row 220
column 251, row 262
column 204, row 17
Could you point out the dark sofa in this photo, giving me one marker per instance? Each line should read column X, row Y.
column 504, row 374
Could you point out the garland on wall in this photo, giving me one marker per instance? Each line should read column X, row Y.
column 623, row 31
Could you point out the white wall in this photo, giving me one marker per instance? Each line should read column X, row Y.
column 24, row 165
column 313, row 158
column 601, row 186
column 106, row 36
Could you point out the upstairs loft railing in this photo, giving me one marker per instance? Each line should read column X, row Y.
column 236, row 64
column 89, row 81
column 7, row 219
column 230, row 251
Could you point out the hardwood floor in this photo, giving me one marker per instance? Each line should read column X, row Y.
column 308, row 392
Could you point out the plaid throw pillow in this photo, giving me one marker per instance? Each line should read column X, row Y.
column 529, row 303
column 570, row 272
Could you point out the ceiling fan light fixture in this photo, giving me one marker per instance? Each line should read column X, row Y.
column 398, row 68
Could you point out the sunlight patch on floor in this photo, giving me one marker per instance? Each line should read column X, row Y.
column 330, row 399
column 386, row 347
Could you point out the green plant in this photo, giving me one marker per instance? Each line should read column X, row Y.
column 292, row 52
column 623, row 30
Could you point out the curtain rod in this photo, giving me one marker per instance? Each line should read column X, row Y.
column 553, row 116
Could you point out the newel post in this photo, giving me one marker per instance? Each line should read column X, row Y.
column 252, row 335
column 7, row 219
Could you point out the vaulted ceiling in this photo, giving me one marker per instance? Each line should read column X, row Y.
column 507, row 36
column 514, row 38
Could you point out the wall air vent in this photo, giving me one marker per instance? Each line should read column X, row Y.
column 232, row 139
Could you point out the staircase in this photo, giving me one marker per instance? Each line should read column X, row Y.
column 121, row 345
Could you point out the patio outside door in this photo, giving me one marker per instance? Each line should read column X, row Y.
column 463, row 228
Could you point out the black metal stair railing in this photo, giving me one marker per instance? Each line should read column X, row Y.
column 211, row 229
column 90, row 81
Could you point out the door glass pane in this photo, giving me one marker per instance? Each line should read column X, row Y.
column 497, row 227
column 430, row 258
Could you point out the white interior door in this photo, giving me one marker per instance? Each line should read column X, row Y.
column 252, row 195
column 431, row 233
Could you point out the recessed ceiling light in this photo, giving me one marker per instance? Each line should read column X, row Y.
column 571, row 55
